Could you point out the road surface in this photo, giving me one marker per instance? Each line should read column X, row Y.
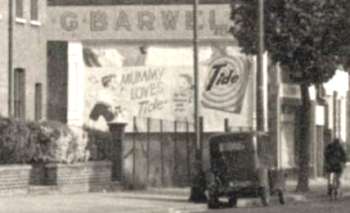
column 321, row 205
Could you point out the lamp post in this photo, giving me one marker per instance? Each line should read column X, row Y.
column 198, row 182
column 196, row 82
column 260, row 77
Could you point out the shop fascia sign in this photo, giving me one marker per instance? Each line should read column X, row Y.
column 139, row 21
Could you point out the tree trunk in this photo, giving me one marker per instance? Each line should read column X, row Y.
column 304, row 139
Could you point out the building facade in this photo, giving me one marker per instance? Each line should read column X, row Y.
column 23, row 61
column 4, row 60
column 148, row 48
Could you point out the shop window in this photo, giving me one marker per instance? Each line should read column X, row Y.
column 34, row 10
column 19, row 93
column 38, row 101
column 19, row 9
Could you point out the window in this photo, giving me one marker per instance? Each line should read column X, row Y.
column 34, row 10
column 19, row 93
column 38, row 101
column 19, row 9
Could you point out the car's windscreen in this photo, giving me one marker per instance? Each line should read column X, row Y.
column 236, row 155
column 229, row 147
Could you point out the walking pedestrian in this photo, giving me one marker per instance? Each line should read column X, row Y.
column 335, row 159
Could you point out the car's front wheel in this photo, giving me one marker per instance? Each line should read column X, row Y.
column 265, row 196
column 281, row 197
column 212, row 191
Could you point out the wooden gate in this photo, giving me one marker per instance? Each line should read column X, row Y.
column 161, row 156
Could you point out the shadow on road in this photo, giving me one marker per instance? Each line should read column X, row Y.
column 151, row 198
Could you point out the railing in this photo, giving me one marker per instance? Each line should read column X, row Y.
column 156, row 152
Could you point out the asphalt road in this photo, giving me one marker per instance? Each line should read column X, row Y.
column 136, row 203
column 322, row 205
column 144, row 202
column 121, row 202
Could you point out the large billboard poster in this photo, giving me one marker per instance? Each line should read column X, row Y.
column 167, row 92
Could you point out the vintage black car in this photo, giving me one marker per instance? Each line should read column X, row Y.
column 237, row 171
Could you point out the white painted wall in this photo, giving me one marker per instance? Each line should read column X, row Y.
column 76, row 77
column 338, row 83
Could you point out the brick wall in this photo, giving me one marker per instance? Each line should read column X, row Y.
column 14, row 179
column 80, row 177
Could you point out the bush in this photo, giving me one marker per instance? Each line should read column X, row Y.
column 56, row 143
column 17, row 144
column 28, row 142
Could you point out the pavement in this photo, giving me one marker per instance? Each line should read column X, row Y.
column 153, row 200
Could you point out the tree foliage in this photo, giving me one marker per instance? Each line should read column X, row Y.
column 304, row 36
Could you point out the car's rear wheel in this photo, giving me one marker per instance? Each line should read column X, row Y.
column 213, row 202
column 265, row 196
column 232, row 201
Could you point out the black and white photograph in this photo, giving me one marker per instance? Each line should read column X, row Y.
column 174, row 106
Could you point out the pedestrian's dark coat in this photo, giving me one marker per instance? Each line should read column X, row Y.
column 335, row 157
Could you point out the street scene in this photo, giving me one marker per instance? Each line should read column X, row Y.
column 174, row 106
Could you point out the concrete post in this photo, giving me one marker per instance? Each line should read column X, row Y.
column 117, row 130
